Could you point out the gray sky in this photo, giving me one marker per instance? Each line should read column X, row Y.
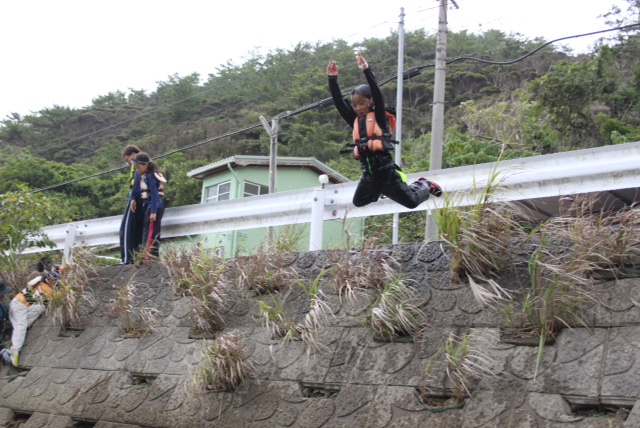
column 67, row 52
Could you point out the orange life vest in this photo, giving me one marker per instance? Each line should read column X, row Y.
column 375, row 138
column 40, row 288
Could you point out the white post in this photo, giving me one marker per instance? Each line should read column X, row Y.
column 398, row 154
column 68, row 243
column 317, row 219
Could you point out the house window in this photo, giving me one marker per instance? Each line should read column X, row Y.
column 219, row 192
column 217, row 251
column 253, row 189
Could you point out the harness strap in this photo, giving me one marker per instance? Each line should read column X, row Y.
column 20, row 298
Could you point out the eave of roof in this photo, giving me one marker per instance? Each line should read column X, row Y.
column 282, row 162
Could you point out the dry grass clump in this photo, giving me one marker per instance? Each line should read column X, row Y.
column 561, row 270
column 602, row 238
column 265, row 272
column 202, row 279
column 134, row 319
column 476, row 233
column 16, row 271
column 463, row 364
column 395, row 313
column 279, row 324
column 353, row 272
column 71, row 299
column 224, row 365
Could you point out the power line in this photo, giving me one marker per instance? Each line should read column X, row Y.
column 199, row 143
column 408, row 74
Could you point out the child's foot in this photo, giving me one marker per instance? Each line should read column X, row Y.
column 434, row 188
column 10, row 357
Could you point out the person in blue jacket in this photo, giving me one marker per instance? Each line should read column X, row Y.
column 133, row 219
column 151, row 191
column 370, row 121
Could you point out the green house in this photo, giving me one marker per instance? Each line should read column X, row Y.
column 245, row 176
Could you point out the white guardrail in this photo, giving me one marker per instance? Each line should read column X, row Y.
column 583, row 171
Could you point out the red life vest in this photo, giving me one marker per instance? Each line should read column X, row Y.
column 373, row 130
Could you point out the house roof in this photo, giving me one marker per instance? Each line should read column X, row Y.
column 282, row 162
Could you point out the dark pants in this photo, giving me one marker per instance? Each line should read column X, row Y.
column 131, row 230
column 154, row 250
column 388, row 182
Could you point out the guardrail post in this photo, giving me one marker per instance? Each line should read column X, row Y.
column 317, row 219
column 68, row 242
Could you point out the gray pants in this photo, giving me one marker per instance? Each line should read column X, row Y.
column 21, row 317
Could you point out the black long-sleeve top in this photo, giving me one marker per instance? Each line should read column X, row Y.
column 345, row 108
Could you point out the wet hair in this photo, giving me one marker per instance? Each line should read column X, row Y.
column 130, row 150
column 43, row 264
column 143, row 159
column 363, row 91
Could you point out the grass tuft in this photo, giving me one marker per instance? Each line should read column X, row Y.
column 202, row 279
column 224, row 365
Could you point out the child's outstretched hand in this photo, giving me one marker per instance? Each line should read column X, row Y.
column 332, row 69
column 362, row 63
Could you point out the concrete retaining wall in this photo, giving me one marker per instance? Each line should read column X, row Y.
column 104, row 380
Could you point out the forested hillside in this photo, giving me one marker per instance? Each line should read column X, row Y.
column 504, row 98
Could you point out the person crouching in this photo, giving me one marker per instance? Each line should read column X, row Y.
column 28, row 305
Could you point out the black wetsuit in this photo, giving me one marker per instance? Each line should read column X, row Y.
column 379, row 172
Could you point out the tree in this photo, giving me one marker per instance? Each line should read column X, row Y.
column 567, row 92
column 22, row 217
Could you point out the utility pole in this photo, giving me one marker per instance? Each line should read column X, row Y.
column 273, row 158
column 398, row 154
column 437, row 118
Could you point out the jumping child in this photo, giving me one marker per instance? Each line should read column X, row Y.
column 372, row 144
column 151, row 190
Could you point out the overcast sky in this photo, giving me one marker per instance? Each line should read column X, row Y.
column 67, row 52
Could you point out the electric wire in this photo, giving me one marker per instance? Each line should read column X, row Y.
column 408, row 74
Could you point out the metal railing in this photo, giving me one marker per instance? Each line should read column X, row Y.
column 535, row 181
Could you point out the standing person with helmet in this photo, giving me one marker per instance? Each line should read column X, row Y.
column 372, row 143
column 151, row 190
column 28, row 305
column 133, row 218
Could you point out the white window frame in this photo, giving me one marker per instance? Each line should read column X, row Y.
column 216, row 197
column 262, row 189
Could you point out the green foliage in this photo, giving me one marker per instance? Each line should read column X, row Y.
column 614, row 131
column 567, row 92
column 22, row 216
